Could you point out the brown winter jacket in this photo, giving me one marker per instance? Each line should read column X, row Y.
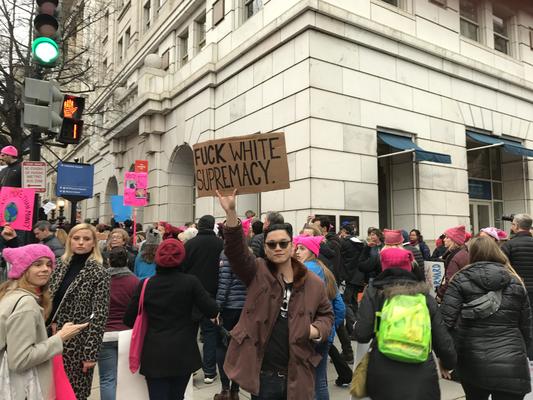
column 454, row 261
column 308, row 305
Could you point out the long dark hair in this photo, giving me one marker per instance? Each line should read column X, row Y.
column 419, row 236
column 148, row 252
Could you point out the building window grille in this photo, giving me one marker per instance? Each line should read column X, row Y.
column 252, row 7
column 500, row 27
column 469, row 19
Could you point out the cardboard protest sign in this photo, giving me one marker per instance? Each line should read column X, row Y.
column 136, row 189
column 16, row 207
column 434, row 273
column 252, row 164
column 141, row 166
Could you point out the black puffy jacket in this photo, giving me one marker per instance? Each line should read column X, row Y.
column 492, row 350
column 394, row 380
column 519, row 250
column 351, row 248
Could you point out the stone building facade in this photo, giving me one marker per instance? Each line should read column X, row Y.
column 385, row 106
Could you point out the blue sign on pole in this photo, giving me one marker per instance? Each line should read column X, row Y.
column 75, row 179
column 120, row 212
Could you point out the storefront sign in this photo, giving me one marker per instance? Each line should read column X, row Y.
column 252, row 164
column 34, row 175
column 479, row 189
column 136, row 189
column 75, row 179
column 16, row 208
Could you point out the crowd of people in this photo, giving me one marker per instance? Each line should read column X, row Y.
column 267, row 303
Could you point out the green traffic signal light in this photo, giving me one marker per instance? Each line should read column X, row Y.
column 45, row 51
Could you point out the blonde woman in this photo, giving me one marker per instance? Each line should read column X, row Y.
column 487, row 308
column 80, row 288
column 24, row 304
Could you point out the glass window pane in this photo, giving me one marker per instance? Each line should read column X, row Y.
column 483, row 215
column 498, row 212
column 499, row 25
column 496, row 163
column 393, row 2
column 478, row 164
column 472, row 227
column 496, row 191
column 468, row 9
column 469, row 30
column 501, row 44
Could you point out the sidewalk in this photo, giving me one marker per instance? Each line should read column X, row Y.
column 450, row 390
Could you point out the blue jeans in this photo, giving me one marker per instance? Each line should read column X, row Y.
column 172, row 388
column 272, row 387
column 210, row 335
column 321, row 373
column 107, row 369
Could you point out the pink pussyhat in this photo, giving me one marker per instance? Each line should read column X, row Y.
column 10, row 151
column 21, row 258
column 492, row 232
column 310, row 242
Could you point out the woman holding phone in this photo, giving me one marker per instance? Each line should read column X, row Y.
column 80, row 287
column 24, row 305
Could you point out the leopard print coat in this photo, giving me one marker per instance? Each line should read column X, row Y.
column 88, row 293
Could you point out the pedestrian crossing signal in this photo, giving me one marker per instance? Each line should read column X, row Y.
column 71, row 131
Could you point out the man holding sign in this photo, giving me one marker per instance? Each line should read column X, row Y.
column 285, row 313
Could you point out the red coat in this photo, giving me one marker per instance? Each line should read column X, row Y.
column 308, row 305
column 453, row 263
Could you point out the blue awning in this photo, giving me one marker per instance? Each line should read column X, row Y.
column 404, row 143
column 509, row 146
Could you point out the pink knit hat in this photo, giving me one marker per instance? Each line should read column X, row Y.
column 396, row 258
column 457, row 234
column 393, row 237
column 10, row 151
column 310, row 242
column 246, row 225
column 21, row 258
column 495, row 233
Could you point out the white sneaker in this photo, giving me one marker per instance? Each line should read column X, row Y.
column 210, row 379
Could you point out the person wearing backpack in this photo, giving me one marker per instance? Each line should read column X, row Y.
column 402, row 372
column 487, row 309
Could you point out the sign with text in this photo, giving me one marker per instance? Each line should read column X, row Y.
column 74, row 179
column 141, row 165
column 34, row 175
column 16, row 208
column 252, row 164
column 136, row 189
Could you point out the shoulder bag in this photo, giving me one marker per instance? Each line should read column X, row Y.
column 139, row 332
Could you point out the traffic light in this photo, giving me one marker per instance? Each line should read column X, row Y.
column 43, row 103
column 44, row 49
column 71, row 111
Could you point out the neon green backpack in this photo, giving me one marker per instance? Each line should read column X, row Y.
column 404, row 332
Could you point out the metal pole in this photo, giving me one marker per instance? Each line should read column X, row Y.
column 485, row 147
column 73, row 211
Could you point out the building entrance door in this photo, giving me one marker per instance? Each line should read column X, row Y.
column 481, row 216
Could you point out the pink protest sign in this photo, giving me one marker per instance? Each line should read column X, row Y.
column 16, row 207
column 135, row 189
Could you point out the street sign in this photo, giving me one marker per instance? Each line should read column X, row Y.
column 75, row 180
column 34, row 175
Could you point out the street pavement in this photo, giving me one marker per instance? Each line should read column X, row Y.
column 449, row 390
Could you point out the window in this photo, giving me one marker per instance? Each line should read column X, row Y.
column 119, row 51
column 392, row 2
column 439, row 2
column 184, row 47
column 200, row 32
column 500, row 27
column 146, row 15
column 218, row 11
column 469, row 19
column 251, row 7
column 127, row 37
column 165, row 60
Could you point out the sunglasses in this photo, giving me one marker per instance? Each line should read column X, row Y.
column 283, row 244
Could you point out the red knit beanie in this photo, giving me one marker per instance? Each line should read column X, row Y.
column 170, row 253
column 457, row 234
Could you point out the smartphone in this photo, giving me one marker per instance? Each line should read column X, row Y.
column 88, row 319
